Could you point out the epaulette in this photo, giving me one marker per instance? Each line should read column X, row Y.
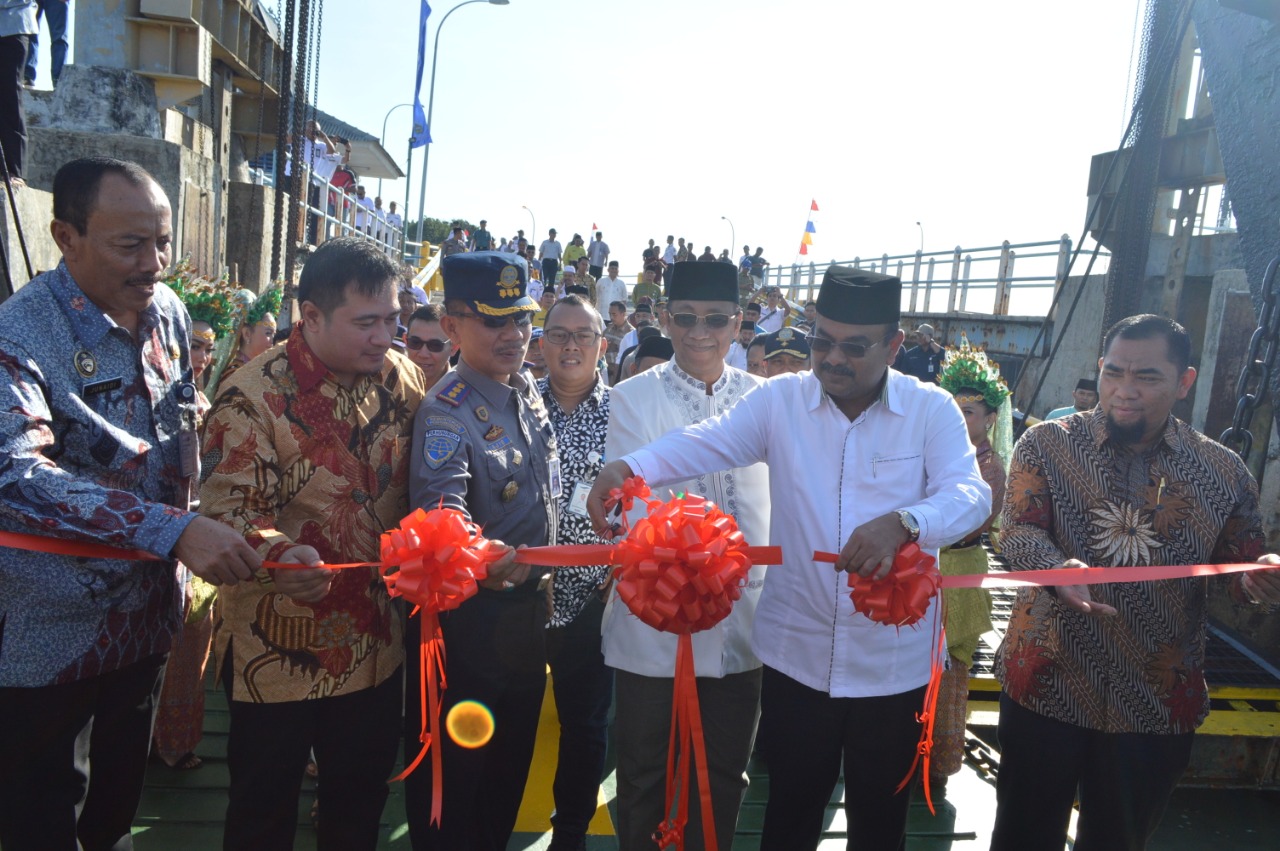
column 454, row 393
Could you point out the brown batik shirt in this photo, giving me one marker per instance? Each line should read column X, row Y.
column 1072, row 493
column 292, row 457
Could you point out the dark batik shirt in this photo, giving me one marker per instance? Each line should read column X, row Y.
column 580, row 438
column 1072, row 493
column 89, row 424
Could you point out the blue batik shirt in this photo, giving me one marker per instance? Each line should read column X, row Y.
column 89, row 432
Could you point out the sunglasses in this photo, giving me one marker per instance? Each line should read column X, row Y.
column 435, row 346
column 521, row 320
column 822, row 345
column 711, row 320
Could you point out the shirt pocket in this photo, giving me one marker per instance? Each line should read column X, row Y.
column 508, row 490
column 896, row 473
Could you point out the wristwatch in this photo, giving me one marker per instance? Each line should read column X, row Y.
column 909, row 523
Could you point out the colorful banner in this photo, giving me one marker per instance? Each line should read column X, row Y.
column 421, row 132
column 809, row 230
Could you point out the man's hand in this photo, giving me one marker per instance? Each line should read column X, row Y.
column 307, row 585
column 873, row 546
column 216, row 553
column 505, row 573
column 612, row 475
column 1078, row 598
column 1263, row 585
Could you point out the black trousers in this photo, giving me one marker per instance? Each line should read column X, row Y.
column 1124, row 781
column 583, row 688
column 495, row 654
column 596, row 272
column 804, row 736
column 74, row 756
column 356, row 740
column 549, row 269
column 13, row 117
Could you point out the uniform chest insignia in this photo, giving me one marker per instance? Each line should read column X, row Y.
column 85, row 363
column 454, row 393
column 494, row 433
column 440, row 445
column 482, row 413
column 510, row 491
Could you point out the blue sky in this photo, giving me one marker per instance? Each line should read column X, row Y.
column 977, row 119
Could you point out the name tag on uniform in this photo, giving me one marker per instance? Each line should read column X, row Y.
column 554, row 475
column 96, row 388
column 578, row 503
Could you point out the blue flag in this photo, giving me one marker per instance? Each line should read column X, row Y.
column 421, row 132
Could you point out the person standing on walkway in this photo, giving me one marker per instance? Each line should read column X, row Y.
column 97, row 445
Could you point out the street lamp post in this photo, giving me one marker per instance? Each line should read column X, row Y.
column 733, row 236
column 533, row 223
column 921, row 236
column 382, row 140
column 431, row 100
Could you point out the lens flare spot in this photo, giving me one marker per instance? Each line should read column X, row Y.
column 470, row 724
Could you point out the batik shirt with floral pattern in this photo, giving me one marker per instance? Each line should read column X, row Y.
column 293, row 457
column 89, row 431
column 580, row 439
column 1073, row 493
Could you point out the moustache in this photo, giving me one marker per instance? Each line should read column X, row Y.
column 837, row 370
column 148, row 281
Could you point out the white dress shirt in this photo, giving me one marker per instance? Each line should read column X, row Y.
column 737, row 357
column 669, row 255
column 909, row 450
column 550, row 250
column 597, row 252
column 609, row 290
column 641, row 409
column 770, row 319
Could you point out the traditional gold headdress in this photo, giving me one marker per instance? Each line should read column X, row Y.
column 967, row 367
column 206, row 300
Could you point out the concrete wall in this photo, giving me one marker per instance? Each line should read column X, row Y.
column 1077, row 357
column 190, row 181
column 250, row 222
column 35, row 210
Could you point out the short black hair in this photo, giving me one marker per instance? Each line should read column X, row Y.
column 621, row 305
column 758, row 340
column 1144, row 326
column 427, row 313
column 75, row 187
column 575, row 300
column 343, row 261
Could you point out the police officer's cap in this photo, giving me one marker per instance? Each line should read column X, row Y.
column 492, row 283
column 786, row 341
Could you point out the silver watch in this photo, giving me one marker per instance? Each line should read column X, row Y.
column 909, row 523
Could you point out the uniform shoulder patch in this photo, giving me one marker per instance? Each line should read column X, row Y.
column 441, row 441
column 454, row 392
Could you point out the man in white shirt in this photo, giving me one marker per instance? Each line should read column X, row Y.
column 364, row 206
column 692, row 387
column 394, row 223
column 774, row 313
column 598, row 256
column 737, row 356
column 550, row 253
column 610, row 288
column 668, row 260
column 838, row 688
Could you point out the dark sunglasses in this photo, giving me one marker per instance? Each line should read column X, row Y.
column 822, row 345
column 712, row 320
column 415, row 343
column 521, row 320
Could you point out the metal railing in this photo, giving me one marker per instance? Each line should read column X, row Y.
column 338, row 218
column 990, row 279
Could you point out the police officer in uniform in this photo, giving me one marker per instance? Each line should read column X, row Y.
column 484, row 446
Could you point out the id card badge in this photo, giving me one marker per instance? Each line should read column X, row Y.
column 578, row 503
column 554, row 477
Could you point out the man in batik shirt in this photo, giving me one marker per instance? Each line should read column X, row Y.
column 1104, row 685
column 308, row 458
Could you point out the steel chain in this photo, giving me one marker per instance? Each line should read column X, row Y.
column 1255, row 378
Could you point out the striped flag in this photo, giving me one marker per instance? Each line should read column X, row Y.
column 809, row 230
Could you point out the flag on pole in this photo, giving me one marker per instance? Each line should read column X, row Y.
column 421, row 132
column 809, row 230
column 594, row 226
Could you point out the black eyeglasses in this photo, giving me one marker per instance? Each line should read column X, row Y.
column 521, row 320
column 712, row 320
column 415, row 343
column 560, row 337
column 822, row 345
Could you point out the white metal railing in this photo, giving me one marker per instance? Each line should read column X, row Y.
column 338, row 216
column 989, row 279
